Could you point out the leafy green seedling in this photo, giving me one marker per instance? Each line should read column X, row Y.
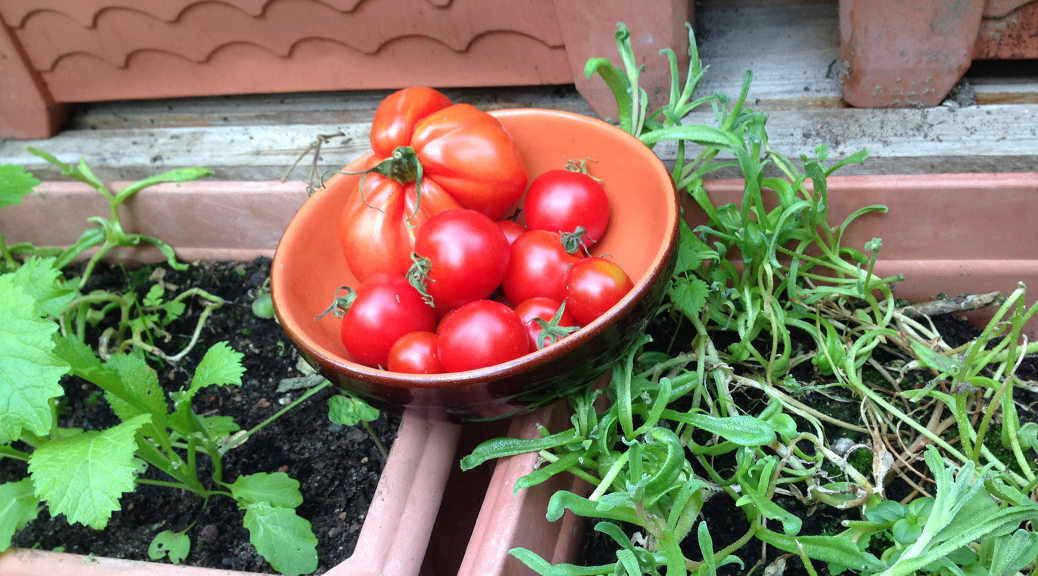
column 175, row 545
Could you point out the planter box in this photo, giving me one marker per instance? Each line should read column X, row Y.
column 239, row 221
column 946, row 233
column 58, row 52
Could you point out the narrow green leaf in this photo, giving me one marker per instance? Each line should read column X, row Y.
column 277, row 489
column 617, row 83
column 282, row 537
column 174, row 544
column 29, row 371
column 501, row 447
column 824, row 548
column 702, row 135
column 940, row 363
column 563, row 500
column 18, row 506
column 1011, row 553
column 84, row 476
column 743, row 430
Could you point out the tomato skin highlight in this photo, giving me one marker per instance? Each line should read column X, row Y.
column 469, row 256
column 415, row 353
column 562, row 200
column 545, row 309
column 480, row 334
column 511, row 230
column 593, row 286
column 537, row 267
column 386, row 308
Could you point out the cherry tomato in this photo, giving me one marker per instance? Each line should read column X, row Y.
column 562, row 200
column 545, row 309
column 537, row 267
column 448, row 314
column 593, row 286
column 384, row 309
column 481, row 334
column 467, row 256
column 415, row 353
column 511, row 229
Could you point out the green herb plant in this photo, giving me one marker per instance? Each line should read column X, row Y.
column 83, row 474
column 688, row 420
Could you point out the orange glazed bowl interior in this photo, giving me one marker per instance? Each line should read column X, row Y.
column 643, row 228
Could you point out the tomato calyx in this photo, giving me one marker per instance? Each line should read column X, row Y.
column 418, row 276
column 403, row 166
column 341, row 304
column 581, row 166
column 551, row 331
column 574, row 241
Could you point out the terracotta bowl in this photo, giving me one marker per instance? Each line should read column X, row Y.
column 642, row 235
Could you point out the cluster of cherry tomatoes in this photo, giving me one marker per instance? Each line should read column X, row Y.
column 441, row 318
column 423, row 233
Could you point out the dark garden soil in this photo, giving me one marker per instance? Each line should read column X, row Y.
column 728, row 523
column 338, row 467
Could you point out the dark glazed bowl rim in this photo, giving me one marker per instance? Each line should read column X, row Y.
column 514, row 367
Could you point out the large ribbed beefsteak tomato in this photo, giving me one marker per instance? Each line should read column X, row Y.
column 430, row 156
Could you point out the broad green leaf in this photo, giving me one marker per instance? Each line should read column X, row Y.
column 284, row 539
column 174, row 544
column 905, row 532
column 84, row 476
column 141, row 381
column 29, row 371
column 220, row 365
column 277, row 489
column 154, row 296
column 219, row 426
column 18, row 506
column 15, row 183
column 689, row 295
column 886, row 511
column 38, row 278
column 743, row 430
column 688, row 255
column 350, row 411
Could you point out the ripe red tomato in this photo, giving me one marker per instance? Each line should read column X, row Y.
column 384, row 309
column 593, row 286
column 467, row 254
column 481, row 334
column 415, row 353
column 511, row 229
column 562, row 200
column 467, row 159
column 537, row 267
column 545, row 309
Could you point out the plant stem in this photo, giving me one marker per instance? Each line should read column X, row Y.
column 8, row 452
column 238, row 440
column 378, row 443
